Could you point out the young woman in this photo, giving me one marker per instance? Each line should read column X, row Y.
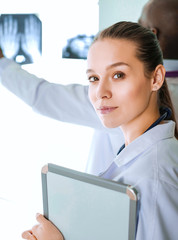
column 127, row 88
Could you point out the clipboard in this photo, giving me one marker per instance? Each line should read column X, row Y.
column 85, row 207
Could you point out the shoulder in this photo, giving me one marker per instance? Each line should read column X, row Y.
column 168, row 146
column 167, row 160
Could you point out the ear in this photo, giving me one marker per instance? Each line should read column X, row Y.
column 154, row 30
column 158, row 77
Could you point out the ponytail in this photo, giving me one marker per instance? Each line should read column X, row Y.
column 164, row 101
column 148, row 51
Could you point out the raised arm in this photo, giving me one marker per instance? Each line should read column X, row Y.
column 68, row 103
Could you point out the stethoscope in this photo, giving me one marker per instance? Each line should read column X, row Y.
column 165, row 114
column 112, row 169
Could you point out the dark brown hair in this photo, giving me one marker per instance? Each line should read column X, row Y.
column 148, row 51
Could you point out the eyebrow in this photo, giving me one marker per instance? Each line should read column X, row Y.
column 111, row 66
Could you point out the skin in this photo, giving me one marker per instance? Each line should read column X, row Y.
column 161, row 16
column 119, row 91
column 1, row 54
column 44, row 230
column 103, row 91
column 121, row 95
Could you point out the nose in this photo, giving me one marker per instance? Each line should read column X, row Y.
column 103, row 90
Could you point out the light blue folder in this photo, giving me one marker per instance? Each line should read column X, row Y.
column 86, row 207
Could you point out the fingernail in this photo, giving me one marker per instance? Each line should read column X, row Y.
column 38, row 214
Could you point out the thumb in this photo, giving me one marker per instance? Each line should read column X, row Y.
column 40, row 218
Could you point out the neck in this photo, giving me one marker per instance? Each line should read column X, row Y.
column 139, row 125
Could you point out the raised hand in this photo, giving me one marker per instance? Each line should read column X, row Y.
column 9, row 37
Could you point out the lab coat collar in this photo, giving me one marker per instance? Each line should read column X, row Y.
column 144, row 142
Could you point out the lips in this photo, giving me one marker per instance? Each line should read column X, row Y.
column 106, row 109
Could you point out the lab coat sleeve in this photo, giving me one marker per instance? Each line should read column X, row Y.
column 68, row 103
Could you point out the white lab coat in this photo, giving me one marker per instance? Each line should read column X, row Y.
column 154, row 176
column 150, row 164
column 48, row 99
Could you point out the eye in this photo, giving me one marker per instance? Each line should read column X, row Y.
column 93, row 79
column 119, row 75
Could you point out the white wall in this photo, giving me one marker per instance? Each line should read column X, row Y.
column 28, row 140
column 112, row 11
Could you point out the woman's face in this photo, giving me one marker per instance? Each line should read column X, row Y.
column 118, row 89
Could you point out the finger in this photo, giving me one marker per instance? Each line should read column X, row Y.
column 28, row 235
column 41, row 219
